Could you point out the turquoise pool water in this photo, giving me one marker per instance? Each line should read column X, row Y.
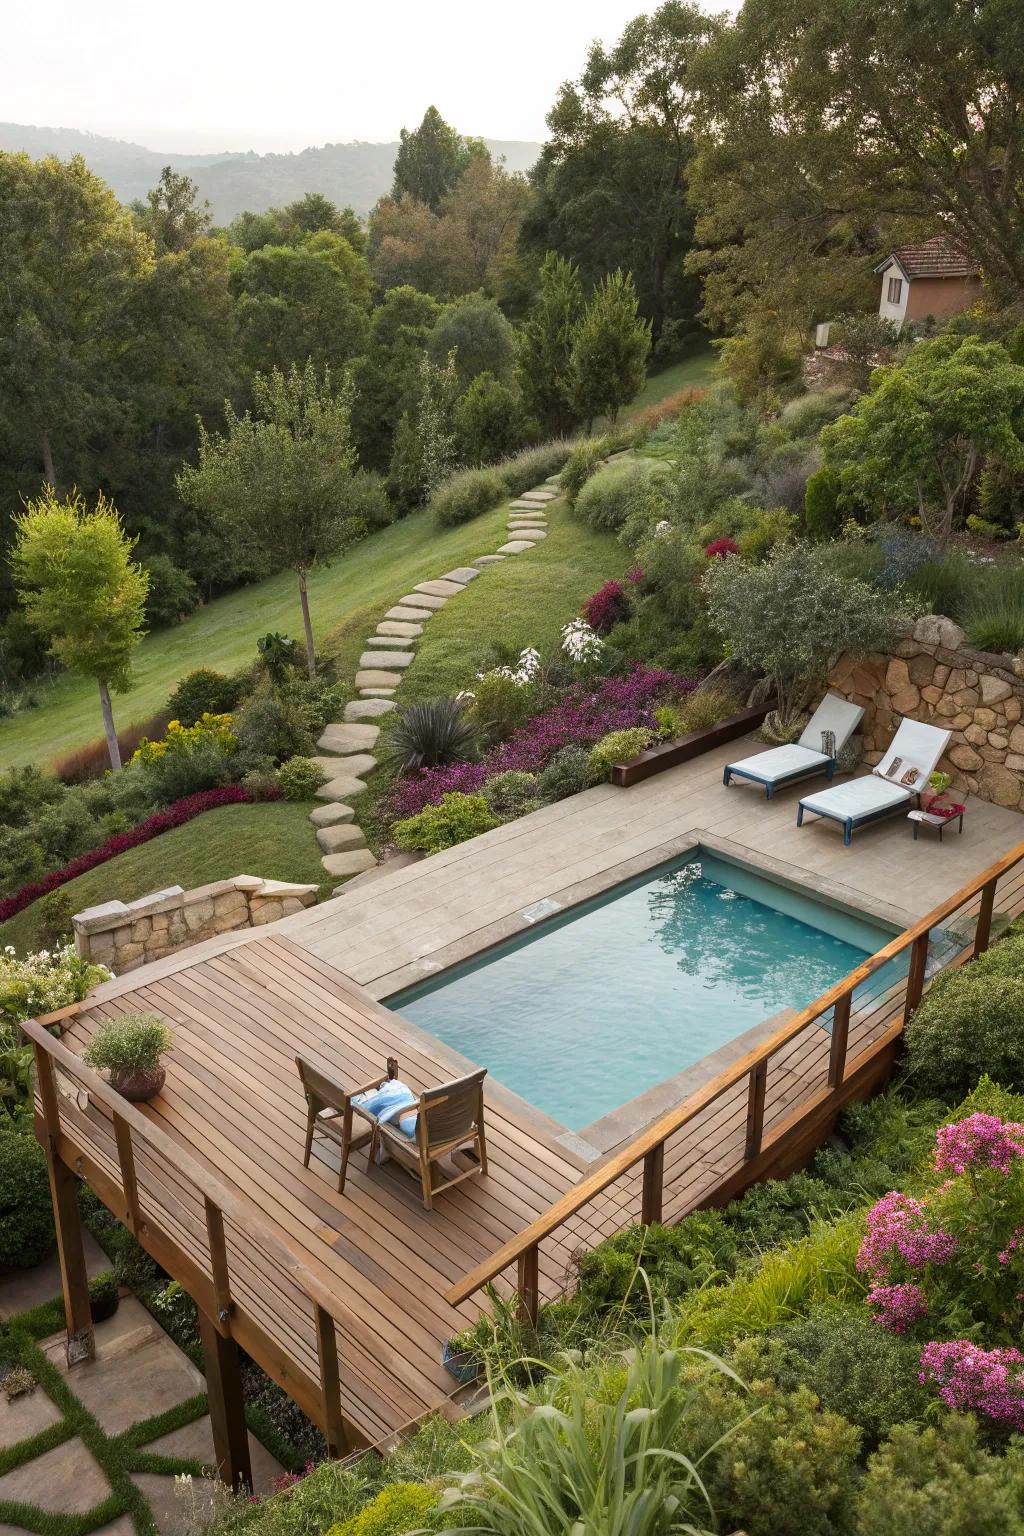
column 605, row 1002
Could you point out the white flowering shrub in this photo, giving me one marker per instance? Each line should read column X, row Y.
column 525, row 670
column 580, row 643
column 44, row 982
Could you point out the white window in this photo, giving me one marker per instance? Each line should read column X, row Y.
column 894, row 292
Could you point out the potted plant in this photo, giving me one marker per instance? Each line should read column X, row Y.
column 932, row 797
column 129, row 1048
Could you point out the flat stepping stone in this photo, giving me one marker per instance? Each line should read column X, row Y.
column 439, row 588
column 553, row 480
column 376, row 677
column 533, row 534
column 65, row 1481
column 463, row 574
column 366, row 709
column 399, row 631
column 538, row 495
column 376, row 693
column 409, row 615
column 338, row 839
column 25, row 1416
column 515, row 527
column 351, row 863
column 488, row 559
column 356, row 764
column 341, row 789
column 516, row 547
column 194, row 1442
column 396, row 660
column 523, row 506
column 419, row 599
column 392, row 642
column 348, row 738
column 333, row 815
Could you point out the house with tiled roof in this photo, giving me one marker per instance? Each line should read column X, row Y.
column 934, row 277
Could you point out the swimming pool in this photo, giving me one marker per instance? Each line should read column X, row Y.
column 611, row 998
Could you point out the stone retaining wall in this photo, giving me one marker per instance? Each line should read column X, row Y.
column 934, row 677
column 124, row 935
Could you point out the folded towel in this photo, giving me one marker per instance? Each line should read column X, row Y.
column 389, row 1095
column 397, row 1116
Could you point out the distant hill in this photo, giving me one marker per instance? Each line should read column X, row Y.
column 353, row 175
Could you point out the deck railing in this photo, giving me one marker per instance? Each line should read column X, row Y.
column 776, row 1130
column 187, row 1220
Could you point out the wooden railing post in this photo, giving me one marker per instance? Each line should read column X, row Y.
column 529, row 1284
column 227, row 1408
column 126, row 1157
column 983, row 931
column 219, row 1265
column 757, row 1084
column 74, row 1273
column 654, row 1181
column 916, row 973
column 330, row 1383
column 840, row 1039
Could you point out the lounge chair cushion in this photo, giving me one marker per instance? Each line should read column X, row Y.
column 856, row 798
column 832, row 714
column 780, row 763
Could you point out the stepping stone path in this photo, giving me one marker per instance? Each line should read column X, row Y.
column 348, row 745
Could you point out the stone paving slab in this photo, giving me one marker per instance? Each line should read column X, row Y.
column 342, row 789
column 334, row 839
column 408, row 614
column 25, row 1416
column 368, row 709
column 351, row 863
column 376, row 677
column 519, row 504
column 537, row 496
column 516, row 547
column 25, row 1288
column 392, row 642
column 194, row 1442
column 356, row 764
column 348, row 738
column 393, row 659
column 420, row 599
column 533, row 534
column 401, row 631
column 488, row 559
column 438, row 588
column 377, row 693
column 333, row 815
column 519, row 528
column 65, row 1481
column 463, row 574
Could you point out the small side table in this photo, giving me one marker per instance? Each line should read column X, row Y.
column 921, row 819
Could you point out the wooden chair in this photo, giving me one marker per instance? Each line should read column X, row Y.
column 330, row 1112
column 448, row 1119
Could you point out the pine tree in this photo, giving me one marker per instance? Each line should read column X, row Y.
column 609, row 350
column 545, row 348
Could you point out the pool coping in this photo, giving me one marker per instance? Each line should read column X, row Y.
column 609, row 1131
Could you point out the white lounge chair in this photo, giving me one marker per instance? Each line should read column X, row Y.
column 784, row 765
column 893, row 785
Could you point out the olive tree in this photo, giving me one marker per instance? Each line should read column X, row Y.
column 791, row 618
column 82, row 592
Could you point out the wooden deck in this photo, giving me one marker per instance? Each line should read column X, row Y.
column 241, row 1007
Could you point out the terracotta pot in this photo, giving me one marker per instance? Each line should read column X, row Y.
column 138, row 1086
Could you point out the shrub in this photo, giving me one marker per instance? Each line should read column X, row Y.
column 93, row 760
column 43, row 983
column 54, row 927
column 526, row 469
column 103, row 1297
column 511, row 794
column 203, row 692
column 398, row 1508
column 501, row 703
column 128, row 1044
column 279, row 655
column 274, row 724
column 941, row 1482
column 857, row 1369
column 946, row 585
column 994, row 614
column 367, row 499
column 466, row 494
column 608, row 498
column 488, row 420
column 189, row 758
column 706, row 707
column 457, row 818
column 606, row 607
column 719, row 549
column 565, row 774
column 970, row 1021
column 673, row 1261
column 617, row 747
column 26, row 1217
column 585, row 458
column 432, row 734
column 260, row 781
column 300, row 778
column 172, row 593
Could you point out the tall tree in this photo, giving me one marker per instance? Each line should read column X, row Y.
column 430, row 160
column 82, row 592
column 388, row 373
column 545, row 344
column 476, row 331
column 279, row 479
column 172, row 214
column 609, row 350
column 305, row 300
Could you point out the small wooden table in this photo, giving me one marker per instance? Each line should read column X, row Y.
column 921, row 819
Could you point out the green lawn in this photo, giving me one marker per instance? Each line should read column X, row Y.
column 274, row 840
column 699, row 369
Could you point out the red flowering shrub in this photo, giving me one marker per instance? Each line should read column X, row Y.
column 175, row 815
column 607, row 607
column 718, row 549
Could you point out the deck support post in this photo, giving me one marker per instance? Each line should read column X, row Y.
column 916, row 973
column 983, row 931
column 67, row 1219
column 330, row 1382
column 840, row 1038
column 757, row 1085
column 654, row 1179
column 227, row 1409
column 529, row 1284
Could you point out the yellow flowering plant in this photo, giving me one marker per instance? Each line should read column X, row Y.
column 208, row 728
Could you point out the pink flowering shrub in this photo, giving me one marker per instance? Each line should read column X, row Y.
column 583, row 714
column 607, row 607
column 898, row 1305
column 980, row 1141
column 974, row 1380
column 898, row 1230
column 719, row 549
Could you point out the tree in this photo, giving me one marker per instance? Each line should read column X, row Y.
column 82, row 592
column 309, row 215
column 488, row 420
column 439, row 387
column 302, row 301
column 172, row 215
column 475, row 329
column 609, row 350
column 545, row 344
column 411, row 246
column 279, row 481
column 387, row 375
column 917, row 442
column 430, row 160
column 481, row 217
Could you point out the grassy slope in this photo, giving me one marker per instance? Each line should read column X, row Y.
column 273, row 840
column 699, row 369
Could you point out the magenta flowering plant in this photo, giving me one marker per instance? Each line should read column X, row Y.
column 899, row 1237
column 979, row 1142
column 975, row 1380
column 898, row 1306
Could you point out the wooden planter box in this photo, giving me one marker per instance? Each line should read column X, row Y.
column 672, row 753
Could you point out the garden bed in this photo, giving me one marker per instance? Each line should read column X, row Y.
column 671, row 753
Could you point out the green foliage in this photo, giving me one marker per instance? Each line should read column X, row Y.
column 823, row 517
column 546, row 340
column 855, row 1368
column 500, row 705
column 171, row 593
column 566, row 773
column 467, row 494
column 430, row 160
column 300, row 303
column 274, row 724
column 436, row 827
column 610, row 345
column 617, row 747
column 487, row 420
column 431, row 733
column 300, row 778
column 511, row 794
column 530, row 466
column 26, row 1217
column 970, row 1022
column 614, row 494
column 940, row 1481
column 55, row 912
column 994, row 611
column 103, row 1297
column 481, row 338
column 44, row 983
column 585, row 459
column 128, row 1044
column 203, row 692
column 644, row 1265
column 397, row 1509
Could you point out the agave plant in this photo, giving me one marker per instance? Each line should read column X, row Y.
column 567, row 1460
column 433, row 733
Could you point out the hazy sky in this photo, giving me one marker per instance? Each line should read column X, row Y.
column 280, row 74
